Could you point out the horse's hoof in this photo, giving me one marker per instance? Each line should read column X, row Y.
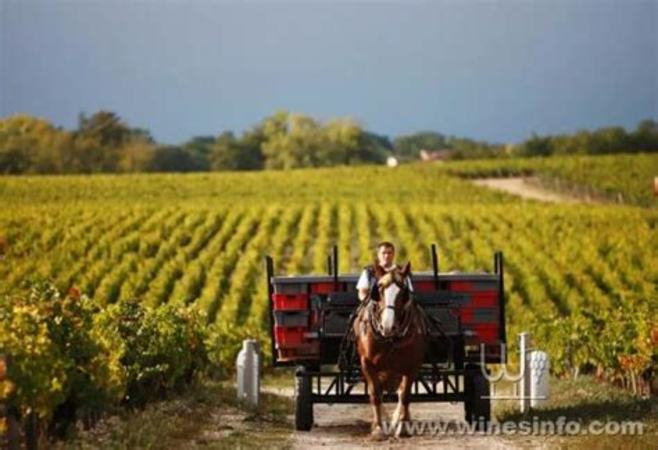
column 401, row 430
column 378, row 434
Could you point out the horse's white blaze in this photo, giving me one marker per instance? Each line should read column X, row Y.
column 388, row 319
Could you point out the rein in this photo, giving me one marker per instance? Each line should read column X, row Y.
column 399, row 332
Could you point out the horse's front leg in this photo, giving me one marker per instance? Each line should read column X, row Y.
column 402, row 416
column 375, row 396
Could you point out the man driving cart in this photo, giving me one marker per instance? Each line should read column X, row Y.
column 366, row 286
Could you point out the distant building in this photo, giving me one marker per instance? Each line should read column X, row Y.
column 392, row 161
column 436, row 155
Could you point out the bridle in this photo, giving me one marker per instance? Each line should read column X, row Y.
column 411, row 315
column 402, row 329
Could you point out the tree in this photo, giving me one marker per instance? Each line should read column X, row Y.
column 168, row 158
column 294, row 140
column 136, row 156
column 291, row 140
column 536, row 146
column 645, row 137
column 611, row 140
column 29, row 144
column 339, row 143
column 372, row 148
column 408, row 147
column 99, row 140
column 229, row 153
column 200, row 148
column 106, row 127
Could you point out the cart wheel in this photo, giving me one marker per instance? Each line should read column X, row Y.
column 477, row 410
column 303, row 401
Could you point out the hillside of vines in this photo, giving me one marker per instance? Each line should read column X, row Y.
column 583, row 279
column 623, row 178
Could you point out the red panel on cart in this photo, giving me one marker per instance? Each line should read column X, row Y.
column 424, row 286
column 487, row 333
column 289, row 337
column 324, row 288
column 484, row 299
column 290, row 301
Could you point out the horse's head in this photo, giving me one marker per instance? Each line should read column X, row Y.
column 393, row 296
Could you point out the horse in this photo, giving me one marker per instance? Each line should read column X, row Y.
column 391, row 339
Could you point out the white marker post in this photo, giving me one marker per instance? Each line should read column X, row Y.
column 248, row 372
column 534, row 382
column 539, row 377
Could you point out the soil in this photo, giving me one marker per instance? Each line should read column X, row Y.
column 347, row 426
column 527, row 187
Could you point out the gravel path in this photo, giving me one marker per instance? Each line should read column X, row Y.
column 345, row 427
column 526, row 187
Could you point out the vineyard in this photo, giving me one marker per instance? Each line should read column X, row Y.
column 582, row 279
column 623, row 178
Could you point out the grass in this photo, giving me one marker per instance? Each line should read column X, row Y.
column 587, row 401
column 206, row 416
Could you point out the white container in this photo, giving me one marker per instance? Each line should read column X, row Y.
column 248, row 372
column 539, row 377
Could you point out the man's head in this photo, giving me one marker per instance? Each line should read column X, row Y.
column 385, row 253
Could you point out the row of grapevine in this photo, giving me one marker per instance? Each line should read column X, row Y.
column 576, row 289
column 620, row 178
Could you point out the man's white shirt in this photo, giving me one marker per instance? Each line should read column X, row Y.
column 364, row 281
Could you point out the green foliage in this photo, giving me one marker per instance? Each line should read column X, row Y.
column 224, row 342
column 161, row 348
column 229, row 153
column 104, row 143
column 295, row 140
column 604, row 140
column 136, row 156
column 104, row 127
column 535, row 146
column 623, row 178
column 421, row 182
column 408, row 147
column 170, row 158
column 199, row 148
column 285, row 140
column 68, row 357
column 581, row 278
column 29, row 145
column 55, row 354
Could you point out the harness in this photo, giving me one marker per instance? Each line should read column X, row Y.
column 400, row 331
column 347, row 350
column 347, row 354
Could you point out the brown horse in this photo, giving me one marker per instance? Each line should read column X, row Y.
column 391, row 340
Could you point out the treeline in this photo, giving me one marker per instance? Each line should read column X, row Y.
column 103, row 142
column 607, row 140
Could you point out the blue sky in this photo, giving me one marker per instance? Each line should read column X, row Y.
column 494, row 70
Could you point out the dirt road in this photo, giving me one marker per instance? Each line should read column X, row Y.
column 526, row 187
column 348, row 426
